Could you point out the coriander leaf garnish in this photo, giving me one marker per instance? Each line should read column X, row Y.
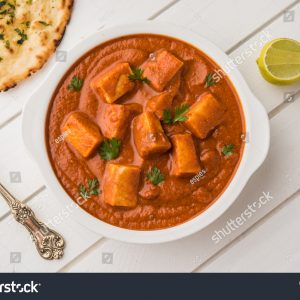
column 44, row 23
column 1, row 36
column 91, row 190
column 23, row 36
column 155, row 176
column 179, row 116
column 180, row 112
column 29, row 2
column 76, row 84
column 227, row 149
column 167, row 116
column 2, row 3
column 138, row 76
column 110, row 149
column 1, row 58
column 209, row 80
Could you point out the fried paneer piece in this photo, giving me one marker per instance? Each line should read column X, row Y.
column 114, row 120
column 120, row 184
column 114, row 83
column 204, row 115
column 149, row 137
column 82, row 133
column 159, row 103
column 161, row 68
column 184, row 157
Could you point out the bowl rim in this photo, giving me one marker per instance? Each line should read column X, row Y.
column 256, row 120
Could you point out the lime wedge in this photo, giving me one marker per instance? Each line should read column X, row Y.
column 279, row 61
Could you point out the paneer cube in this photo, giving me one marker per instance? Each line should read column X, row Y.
column 120, row 185
column 149, row 137
column 184, row 157
column 114, row 83
column 204, row 115
column 82, row 133
column 114, row 120
column 161, row 68
column 159, row 103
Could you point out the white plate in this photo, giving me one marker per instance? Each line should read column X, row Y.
column 255, row 151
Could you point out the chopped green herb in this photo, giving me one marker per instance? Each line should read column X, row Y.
column 155, row 176
column 7, row 44
column 8, row 10
column 1, row 58
column 76, row 84
column 91, row 190
column 11, row 5
column 110, row 149
column 1, row 36
column 180, row 112
column 227, row 149
column 209, row 80
column 23, row 36
column 44, row 23
column 27, row 24
column 29, row 2
column 167, row 116
column 138, row 76
column 179, row 116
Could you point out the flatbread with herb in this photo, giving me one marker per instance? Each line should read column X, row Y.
column 30, row 31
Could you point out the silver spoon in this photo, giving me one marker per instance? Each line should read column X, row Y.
column 49, row 243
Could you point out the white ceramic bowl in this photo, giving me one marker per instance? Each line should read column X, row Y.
column 255, row 151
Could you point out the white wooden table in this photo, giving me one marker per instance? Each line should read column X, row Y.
column 268, row 241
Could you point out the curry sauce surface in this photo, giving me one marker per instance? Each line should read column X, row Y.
column 178, row 199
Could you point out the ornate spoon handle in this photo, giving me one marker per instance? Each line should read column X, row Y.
column 49, row 243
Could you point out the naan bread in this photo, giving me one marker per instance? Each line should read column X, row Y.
column 30, row 30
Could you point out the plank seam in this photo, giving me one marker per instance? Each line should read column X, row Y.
column 26, row 200
column 12, row 118
column 83, row 254
column 163, row 9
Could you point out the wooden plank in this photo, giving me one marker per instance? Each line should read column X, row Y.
column 224, row 22
column 18, row 172
column 270, row 246
column 86, row 19
column 13, row 238
column 278, row 176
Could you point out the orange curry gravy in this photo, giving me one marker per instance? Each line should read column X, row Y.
column 176, row 199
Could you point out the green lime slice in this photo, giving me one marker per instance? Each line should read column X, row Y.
column 279, row 61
